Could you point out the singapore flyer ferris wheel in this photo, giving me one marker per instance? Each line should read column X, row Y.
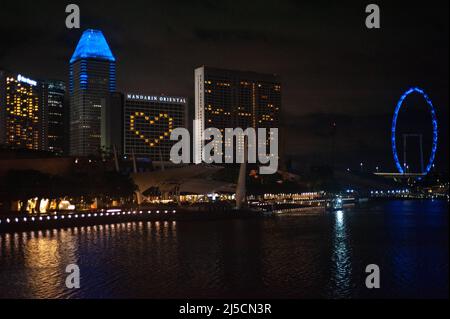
column 402, row 169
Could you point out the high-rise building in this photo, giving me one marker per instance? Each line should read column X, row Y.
column 21, row 123
column 148, row 122
column 54, row 133
column 234, row 99
column 92, row 79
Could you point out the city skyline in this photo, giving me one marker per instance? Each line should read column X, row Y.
column 320, row 89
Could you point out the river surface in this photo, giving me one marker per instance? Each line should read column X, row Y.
column 316, row 255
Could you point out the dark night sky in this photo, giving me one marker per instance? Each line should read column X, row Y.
column 333, row 69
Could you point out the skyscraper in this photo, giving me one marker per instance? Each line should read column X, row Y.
column 54, row 133
column 234, row 99
column 20, row 112
column 92, row 79
column 148, row 122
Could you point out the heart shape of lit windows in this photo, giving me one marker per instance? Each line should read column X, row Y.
column 151, row 141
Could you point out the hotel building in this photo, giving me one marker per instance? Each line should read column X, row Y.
column 234, row 99
column 92, row 79
column 21, row 122
column 148, row 122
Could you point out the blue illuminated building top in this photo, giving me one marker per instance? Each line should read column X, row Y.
column 92, row 45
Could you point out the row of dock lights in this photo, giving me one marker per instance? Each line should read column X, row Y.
column 77, row 216
column 390, row 192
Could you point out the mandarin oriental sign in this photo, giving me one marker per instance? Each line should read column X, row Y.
column 156, row 98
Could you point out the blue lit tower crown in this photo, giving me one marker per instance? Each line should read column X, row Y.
column 92, row 79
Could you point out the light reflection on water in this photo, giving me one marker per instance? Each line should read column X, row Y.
column 342, row 266
column 322, row 255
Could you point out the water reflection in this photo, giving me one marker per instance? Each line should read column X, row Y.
column 341, row 257
column 33, row 262
column 322, row 255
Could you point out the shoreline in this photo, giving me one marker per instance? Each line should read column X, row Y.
column 27, row 222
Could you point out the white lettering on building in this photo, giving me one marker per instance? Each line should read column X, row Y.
column 154, row 98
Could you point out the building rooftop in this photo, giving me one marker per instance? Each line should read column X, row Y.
column 92, row 45
column 231, row 73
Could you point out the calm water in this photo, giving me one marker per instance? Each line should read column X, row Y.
column 314, row 256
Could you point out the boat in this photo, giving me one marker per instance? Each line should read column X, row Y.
column 334, row 204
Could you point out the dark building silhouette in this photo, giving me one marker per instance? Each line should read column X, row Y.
column 54, row 108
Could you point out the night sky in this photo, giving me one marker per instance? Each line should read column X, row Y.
column 333, row 69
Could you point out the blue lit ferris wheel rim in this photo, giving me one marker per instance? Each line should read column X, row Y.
column 433, row 121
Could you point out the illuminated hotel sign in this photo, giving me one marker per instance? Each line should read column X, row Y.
column 23, row 79
column 155, row 98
